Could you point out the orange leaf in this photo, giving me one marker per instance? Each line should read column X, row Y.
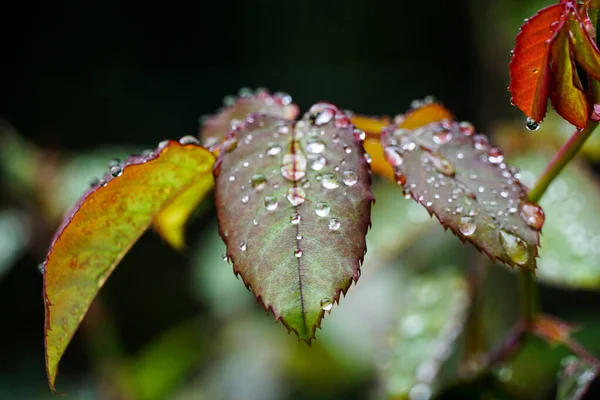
column 529, row 67
column 427, row 114
column 552, row 329
column 372, row 126
column 568, row 98
column 102, row 227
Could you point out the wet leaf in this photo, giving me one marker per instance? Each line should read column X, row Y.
column 575, row 378
column 424, row 345
column 464, row 181
column 98, row 231
column 567, row 95
column 294, row 205
column 235, row 110
column 431, row 112
column 570, row 245
column 529, row 67
column 584, row 47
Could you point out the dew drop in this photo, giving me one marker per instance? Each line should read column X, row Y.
column 322, row 209
column 467, row 226
column 225, row 257
column 400, row 178
column 317, row 161
column 495, row 155
column 515, row 248
column 293, row 166
column 258, row 181
column 531, row 125
column 163, row 144
column 466, row 128
column 273, row 149
column 349, row 178
column 245, row 199
column 255, row 222
column 315, row 146
column 296, row 196
column 295, row 219
column 298, row 253
column 188, row 139
column 440, row 163
column 329, row 181
column 442, row 136
column 393, row 157
column 480, row 142
column 326, row 304
column 271, row 203
column 368, row 158
column 116, row 170
column 334, row 224
column 243, row 246
column 347, row 149
column 322, row 117
column 533, row 215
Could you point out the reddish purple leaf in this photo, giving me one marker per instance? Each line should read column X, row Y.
column 294, row 204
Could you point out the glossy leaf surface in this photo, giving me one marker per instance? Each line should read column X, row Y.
column 575, row 378
column 293, row 204
column 98, row 231
column 464, row 181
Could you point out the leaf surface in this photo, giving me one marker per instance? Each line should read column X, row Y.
column 529, row 66
column 567, row 95
column 584, row 47
column 235, row 110
column 293, row 204
column 464, row 181
column 575, row 378
column 99, row 230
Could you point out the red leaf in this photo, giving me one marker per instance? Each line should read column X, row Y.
column 567, row 95
column 529, row 67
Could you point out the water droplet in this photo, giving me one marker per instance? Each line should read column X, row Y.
column 298, row 253
column 231, row 178
column 406, row 194
column 368, row 158
column 188, row 139
column 295, row 219
column 515, row 248
column 245, row 199
column 317, row 161
column 315, row 146
column 225, row 257
column 393, row 157
column 361, row 135
column 467, row 226
column 334, row 224
column 400, row 178
column 322, row 209
column 481, row 189
column 116, row 170
column 41, row 268
column 322, row 117
column 407, row 144
column 442, row 136
column 273, row 149
column 480, row 142
column 533, row 215
column 495, row 155
column 296, row 196
column 531, row 125
column 271, row 203
column 326, row 304
column 329, row 181
column 440, row 163
column 298, row 237
column 293, row 166
column 255, row 222
column 243, row 246
column 163, row 144
column 347, row 149
column 349, row 178
column 258, row 181
column 466, row 128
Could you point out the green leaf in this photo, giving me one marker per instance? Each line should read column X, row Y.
column 15, row 232
column 570, row 245
column 294, row 204
column 584, row 47
column 423, row 350
column 99, row 230
column 575, row 378
column 464, row 181
column 235, row 110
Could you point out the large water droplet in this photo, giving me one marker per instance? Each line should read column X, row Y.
column 273, row 149
column 243, row 246
column 466, row 128
column 315, row 146
column 349, row 178
column 298, row 253
column 533, row 215
column 531, row 125
column 334, row 224
column 495, row 155
column 322, row 209
column 329, row 181
column 392, row 155
column 442, row 136
column 293, row 166
column 322, row 117
column 515, row 248
column 188, row 139
column 116, row 170
column 440, row 163
column 258, row 181
column 317, row 161
column 326, row 304
column 467, row 226
column 296, row 196
column 271, row 203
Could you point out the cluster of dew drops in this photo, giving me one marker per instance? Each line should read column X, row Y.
column 402, row 141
